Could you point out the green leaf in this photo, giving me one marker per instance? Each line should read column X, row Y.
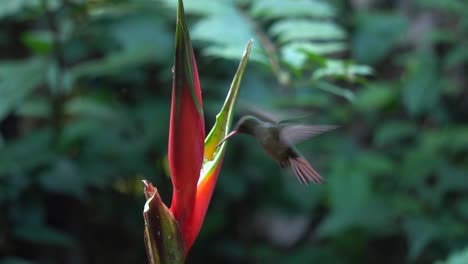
column 297, row 54
column 278, row 8
column 392, row 132
column 456, row 56
column 143, row 33
column 64, row 178
column 291, row 30
column 225, row 41
column 457, row 257
column 375, row 97
column 447, row 5
column 34, row 107
column 201, row 7
column 376, row 35
column 452, row 178
column 420, row 232
column 319, row 47
column 122, row 10
column 352, row 200
column 38, row 41
column 85, row 106
column 345, row 182
column 26, row 153
column 17, row 81
column 110, row 65
column 375, row 163
column 342, row 69
column 336, row 90
column 13, row 7
column 421, row 87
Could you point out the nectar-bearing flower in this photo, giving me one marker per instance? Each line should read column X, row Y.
column 194, row 161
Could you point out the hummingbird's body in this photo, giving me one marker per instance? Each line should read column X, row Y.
column 278, row 139
column 268, row 136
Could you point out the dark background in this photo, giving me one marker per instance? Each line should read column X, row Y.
column 84, row 107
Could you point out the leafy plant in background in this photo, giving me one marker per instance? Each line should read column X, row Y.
column 422, row 123
column 90, row 120
column 456, row 258
column 194, row 165
column 296, row 40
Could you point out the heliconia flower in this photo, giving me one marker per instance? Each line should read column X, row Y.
column 194, row 161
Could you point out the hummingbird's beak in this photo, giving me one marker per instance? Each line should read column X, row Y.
column 234, row 132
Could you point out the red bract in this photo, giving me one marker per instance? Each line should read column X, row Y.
column 194, row 161
column 187, row 129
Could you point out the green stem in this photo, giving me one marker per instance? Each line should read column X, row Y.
column 57, row 97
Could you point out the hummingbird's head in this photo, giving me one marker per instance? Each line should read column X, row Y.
column 245, row 125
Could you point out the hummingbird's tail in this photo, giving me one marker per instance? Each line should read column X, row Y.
column 304, row 171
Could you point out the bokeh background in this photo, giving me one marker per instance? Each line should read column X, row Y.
column 84, row 107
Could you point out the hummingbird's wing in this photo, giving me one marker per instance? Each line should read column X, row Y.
column 304, row 171
column 272, row 116
column 259, row 113
column 293, row 134
column 292, row 120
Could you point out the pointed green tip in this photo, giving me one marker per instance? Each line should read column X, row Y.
column 181, row 26
column 181, row 23
column 183, row 45
column 180, row 9
column 225, row 116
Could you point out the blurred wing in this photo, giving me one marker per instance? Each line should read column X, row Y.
column 296, row 133
column 304, row 171
column 274, row 117
column 259, row 113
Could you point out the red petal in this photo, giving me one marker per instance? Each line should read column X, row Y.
column 187, row 128
column 203, row 197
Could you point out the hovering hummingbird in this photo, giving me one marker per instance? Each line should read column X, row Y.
column 278, row 139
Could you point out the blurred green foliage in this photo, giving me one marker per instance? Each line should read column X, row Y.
column 84, row 107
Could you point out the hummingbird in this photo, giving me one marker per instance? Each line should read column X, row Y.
column 278, row 139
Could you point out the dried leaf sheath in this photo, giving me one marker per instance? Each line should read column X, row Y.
column 163, row 240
